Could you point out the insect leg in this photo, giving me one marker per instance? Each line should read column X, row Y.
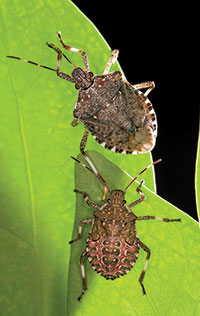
column 140, row 193
column 84, row 194
column 149, row 166
column 145, row 248
column 84, row 56
column 158, row 218
column 82, row 147
column 111, row 61
column 83, row 142
column 74, row 122
column 59, row 58
column 83, row 275
column 84, row 221
column 149, row 84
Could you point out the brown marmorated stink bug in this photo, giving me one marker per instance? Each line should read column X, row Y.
column 119, row 116
column 113, row 245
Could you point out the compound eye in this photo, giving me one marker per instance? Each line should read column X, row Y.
column 90, row 74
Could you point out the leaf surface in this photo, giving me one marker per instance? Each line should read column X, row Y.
column 36, row 184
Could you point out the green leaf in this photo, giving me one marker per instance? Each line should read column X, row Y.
column 172, row 275
column 197, row 179
column 36, row 191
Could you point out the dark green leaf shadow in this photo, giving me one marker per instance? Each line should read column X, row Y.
column 171, row 279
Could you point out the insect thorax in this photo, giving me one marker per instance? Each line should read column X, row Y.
column 91, row 100
column 114, row 221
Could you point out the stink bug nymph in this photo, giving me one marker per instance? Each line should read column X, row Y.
column 112, row 246
column 119, row 116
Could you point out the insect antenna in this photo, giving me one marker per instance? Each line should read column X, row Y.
column 152, row 164
column 96, row 174
column 57, row 50
column 32, row 62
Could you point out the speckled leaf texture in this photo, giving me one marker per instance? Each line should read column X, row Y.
column 37, row 203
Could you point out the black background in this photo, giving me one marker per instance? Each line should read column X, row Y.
column 157, row 42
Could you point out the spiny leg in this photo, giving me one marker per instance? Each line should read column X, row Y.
column 158, row 218
column 86, row 198
column 145, row 248
column 82, row 147
column 83, row 274
column 149, row 84
column 83, row 142
column 84, row 56
column 84, row 221
column 140, row 193
column 111, row 60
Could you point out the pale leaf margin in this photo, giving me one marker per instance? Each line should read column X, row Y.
column 197, row 179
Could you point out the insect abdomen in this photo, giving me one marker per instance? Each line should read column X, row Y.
column 111, row 257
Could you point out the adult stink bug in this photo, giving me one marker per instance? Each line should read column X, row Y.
column 119, row 116
column 113, row 245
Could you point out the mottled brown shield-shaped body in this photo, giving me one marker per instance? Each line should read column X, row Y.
column 120, row 117
column 118, row 114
